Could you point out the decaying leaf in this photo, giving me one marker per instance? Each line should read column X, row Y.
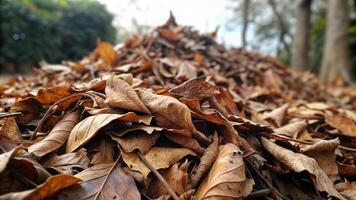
column 298, row 163
column 341, row 122
column 226, row 178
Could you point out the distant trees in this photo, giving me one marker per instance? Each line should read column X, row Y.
column 314, row 35
column 33, row 30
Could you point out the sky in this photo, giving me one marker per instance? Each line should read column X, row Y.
column 203, row 15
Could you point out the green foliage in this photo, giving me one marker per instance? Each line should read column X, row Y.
column 52, row 30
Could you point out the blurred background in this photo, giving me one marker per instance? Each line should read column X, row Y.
column 293, row 30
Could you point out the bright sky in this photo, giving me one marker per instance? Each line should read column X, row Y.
column 203, row 15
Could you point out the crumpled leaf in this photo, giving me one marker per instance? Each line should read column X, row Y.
column 291, row 129
column 347, row 189
column 346, row 125
column 324, row 153
column 120, row 94
column 89, row 127
column 159, row 157
column 277, row 115
column 10, row 130
column 176, row 176
column 226, row 178
column 57, row 137
column 298, row 163
column 169, row 108
column 196, row 87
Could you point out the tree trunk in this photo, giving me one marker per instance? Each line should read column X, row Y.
column 301, row 36
column 335, row 56
column 282, row 26
column 245, row 22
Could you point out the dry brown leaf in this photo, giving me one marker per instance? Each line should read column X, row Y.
column 57, row 137
column 10, row 130
column 118, row 185
column 341, row 122
column 107, row 53
column 291, row 129
column 186, row 142
column 196, row 87
column 324, row 153
column 5, row 158
column 206, row 161
column 89, row 127
column 120, row 94
column 277, row 115
column 146, row 129
column 44, row 191
column 49, row 96
column 298, row 163
column 140, row 141
column 176, row 176
column 105, row 152
column 226, row 178
column 169, row 108
column 347, row 189
column 159, row 157
column 66, row 163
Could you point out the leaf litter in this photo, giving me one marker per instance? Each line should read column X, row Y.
column 175, row 115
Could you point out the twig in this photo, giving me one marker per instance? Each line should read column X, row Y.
column 106, row 178
column 259, row 193
column 158, row 175
column 2, row 115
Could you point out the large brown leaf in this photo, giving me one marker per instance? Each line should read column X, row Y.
column 120, row 94
column 346, row 125
column 159, row 157
column 111, row 183
column 170, row 109
column 57, row 137
column 67, row 162
column 226, row 179
column 89, row 127
column 298, row 163
column 44, row 191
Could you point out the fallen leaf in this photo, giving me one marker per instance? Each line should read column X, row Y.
column 120, row 94
column 105, row 153
column 347, row 189
column 159, row 157
column 176, row 176
column 57, row 137
column 45, row 190
column 140, row 141
column 208, row 158
column 107, row 53
column 196, row 87
column 169, row 108
column 226, row 178
column 89, row 127
column 298, row 163
column 346, row 125
column 118, row 185
column 277, row 115
column 10, row 130
column 291, row 129
column 66, row 163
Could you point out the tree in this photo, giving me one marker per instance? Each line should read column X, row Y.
column 245, row 12
column 300, row 45
column 335, row 61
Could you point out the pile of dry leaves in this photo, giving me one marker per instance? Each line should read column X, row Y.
column 174, row 115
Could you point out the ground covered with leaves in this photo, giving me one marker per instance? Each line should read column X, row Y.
column 175, row 115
